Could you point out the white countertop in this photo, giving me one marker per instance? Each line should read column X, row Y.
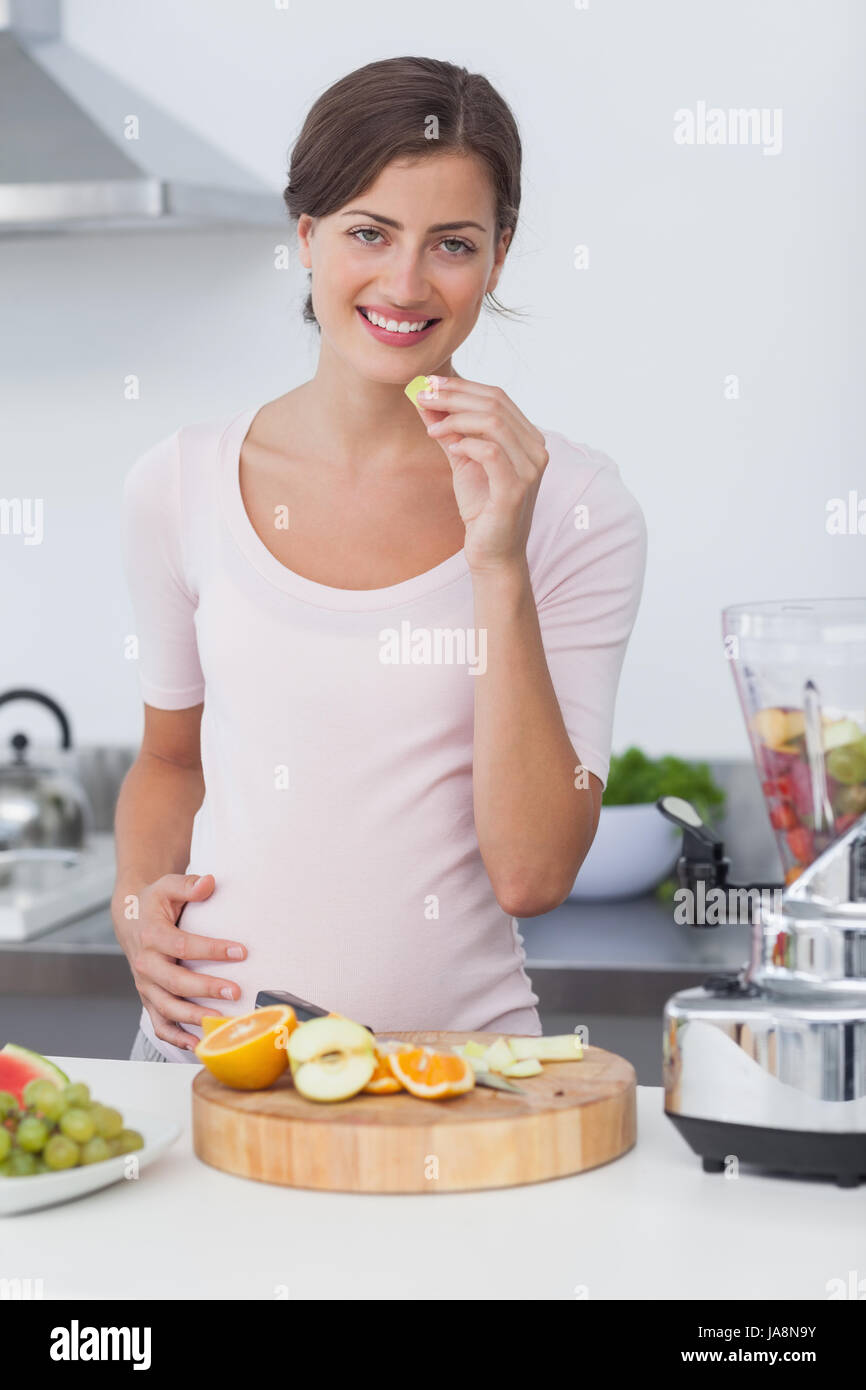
column 651, row 1225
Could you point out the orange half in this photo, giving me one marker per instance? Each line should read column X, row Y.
column 249, row 1052
column 211, row 1022
column 430, row 1074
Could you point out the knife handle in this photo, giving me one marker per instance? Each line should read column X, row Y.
column 304, row 1010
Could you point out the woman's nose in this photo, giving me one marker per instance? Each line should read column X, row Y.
column 406, row 285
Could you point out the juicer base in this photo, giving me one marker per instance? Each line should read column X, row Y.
column 799, row 1152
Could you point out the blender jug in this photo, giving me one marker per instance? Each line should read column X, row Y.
column 800, row 671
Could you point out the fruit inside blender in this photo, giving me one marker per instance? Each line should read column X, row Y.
column 779, row 741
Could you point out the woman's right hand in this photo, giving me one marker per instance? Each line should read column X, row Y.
column 155, row 945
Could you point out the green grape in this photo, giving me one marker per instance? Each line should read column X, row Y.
column 8, row 1103
column 77, row 1125
column 41, row 1165
column 108, row 1121
column 60, row 1152
column 21, row 1164
column 96, row 1150
column 4, row 1169
column 77, row 1094
column 5, row 1143
column 32, row 1134
column 128, row 1140
column 45, row 1097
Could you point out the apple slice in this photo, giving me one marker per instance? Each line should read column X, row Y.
column 530, row 1066
column 778, row 727
column 840, row 732
column 498, row 1055
column 559, row 1047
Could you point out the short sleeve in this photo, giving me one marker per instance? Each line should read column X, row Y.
column 588, row 592
column 163, row 605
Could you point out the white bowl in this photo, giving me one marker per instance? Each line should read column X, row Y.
column 47, row 1189
column 634, row 849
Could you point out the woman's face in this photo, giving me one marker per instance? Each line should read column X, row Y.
column 418, row 244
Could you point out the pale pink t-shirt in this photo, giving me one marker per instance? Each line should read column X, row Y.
column 337, row 734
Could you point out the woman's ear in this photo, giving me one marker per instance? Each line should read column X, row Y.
column 305, row 231
column 499, row 260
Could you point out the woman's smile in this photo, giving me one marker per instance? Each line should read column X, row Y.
column 389, row 327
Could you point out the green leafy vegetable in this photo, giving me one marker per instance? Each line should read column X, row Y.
column 635, row 779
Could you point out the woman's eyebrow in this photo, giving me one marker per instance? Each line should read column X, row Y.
column 389, row 221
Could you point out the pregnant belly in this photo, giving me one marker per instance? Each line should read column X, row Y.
column 374, row 957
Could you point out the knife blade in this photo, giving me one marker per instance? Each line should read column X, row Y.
column 497, row 1083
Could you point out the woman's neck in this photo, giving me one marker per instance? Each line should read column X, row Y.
column 364, row 422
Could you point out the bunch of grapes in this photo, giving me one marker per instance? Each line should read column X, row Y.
column 59, row 1127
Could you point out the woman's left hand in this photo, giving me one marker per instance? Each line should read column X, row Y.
column 497, row 459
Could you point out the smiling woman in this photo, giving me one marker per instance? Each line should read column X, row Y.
column 376, row 814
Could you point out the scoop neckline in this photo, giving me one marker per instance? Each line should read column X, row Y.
column 321, row 595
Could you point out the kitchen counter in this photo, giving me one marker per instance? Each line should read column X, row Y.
column 637, row 934
column 651, row 1225
column 609, row 967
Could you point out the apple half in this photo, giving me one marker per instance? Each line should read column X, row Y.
column 331, row 1058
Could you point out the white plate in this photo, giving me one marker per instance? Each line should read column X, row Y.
column 46, row 1189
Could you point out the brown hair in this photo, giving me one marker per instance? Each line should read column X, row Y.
column 381, row 112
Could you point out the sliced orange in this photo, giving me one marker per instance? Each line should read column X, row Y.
column 212, row 1021
column 433, row 1075
column 383, row 1082
column 249, row 1052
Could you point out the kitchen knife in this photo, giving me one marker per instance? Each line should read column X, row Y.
column 304, row 1010
column 497, row 1083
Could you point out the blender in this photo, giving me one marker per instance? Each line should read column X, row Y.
column 767, row 1066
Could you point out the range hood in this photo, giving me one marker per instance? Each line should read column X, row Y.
column 82, row 151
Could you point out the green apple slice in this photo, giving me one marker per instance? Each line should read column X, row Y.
column 840, row 732
column 498, row 1055
column 530, row 1066
column 559, row 1047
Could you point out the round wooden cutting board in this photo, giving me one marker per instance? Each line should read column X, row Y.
column 574, row 1116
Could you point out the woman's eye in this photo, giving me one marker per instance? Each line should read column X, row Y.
column 458, row 241
column 455, row 246
column 359, row 232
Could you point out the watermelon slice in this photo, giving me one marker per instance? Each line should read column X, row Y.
column 18, row 1065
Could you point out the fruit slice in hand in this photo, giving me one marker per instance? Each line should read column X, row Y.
column 249, row 1052
column 432, row 1075
column 331, row 1058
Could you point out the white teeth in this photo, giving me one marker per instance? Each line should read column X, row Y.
column 392, row 325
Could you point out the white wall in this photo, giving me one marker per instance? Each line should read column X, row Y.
column 703, row 261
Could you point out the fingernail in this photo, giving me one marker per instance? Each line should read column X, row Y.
column 226, row 993
column 235, row 952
